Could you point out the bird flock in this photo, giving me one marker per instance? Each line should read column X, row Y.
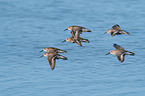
column 52, row 52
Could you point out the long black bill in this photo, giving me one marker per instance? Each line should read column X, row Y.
column 41, row 51
column 108, row 53
column 65, row 29
column 63, row 41
column 41, row 56
column 105, row 32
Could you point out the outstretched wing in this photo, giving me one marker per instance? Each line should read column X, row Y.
column 129, row 53
column 83, row 29
column 77, row 37
column 121, row 57
column 113, row 33
column 77, row 34
column 78, row 42
column 61, row 51
column 60, row 57
column 52, row 61
column 116, row 26
column 84, row 40
column 118, row 46
column 124, row 32
column 57, row 50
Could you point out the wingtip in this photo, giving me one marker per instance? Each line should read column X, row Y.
column 121, row 61
column 128, row 33
column 62, row 51
column 108, row 53
column 78, row 42
column 65, row 58
column 65, row 29
column 65, row 51
column 52, row 68
column 132, row 54
column 80, row 45
column 105, row 33
column 88, row 41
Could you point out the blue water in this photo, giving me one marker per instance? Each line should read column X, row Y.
column 27, row 26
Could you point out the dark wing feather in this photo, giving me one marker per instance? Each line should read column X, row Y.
column 113, row 33
column 117, row 46
column 124, row 32
column 52, row 61
column 129, row 53
column 78, row 42
column 116, row 26
column 121, row 57
column 61, row 57
column 84, row 40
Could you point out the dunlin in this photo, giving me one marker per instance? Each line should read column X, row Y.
column 77, row 41
column 120, row 52
column 52, row 58
column 75, row 28
column 116, row 30
column 78, row 29
column 73, row 40
column 53, row 50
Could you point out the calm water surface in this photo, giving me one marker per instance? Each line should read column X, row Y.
column 27, row 26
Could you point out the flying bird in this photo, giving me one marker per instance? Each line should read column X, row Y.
column 116, row 30
column 80, row 29
column 52, row 58
column 120, row 52
column 53, row 50
column 76, row 38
